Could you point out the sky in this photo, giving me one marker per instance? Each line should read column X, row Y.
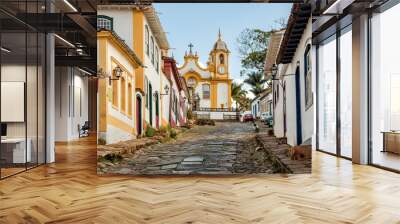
column 199, row 23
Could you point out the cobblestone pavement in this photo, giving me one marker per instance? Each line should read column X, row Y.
column 201, row 150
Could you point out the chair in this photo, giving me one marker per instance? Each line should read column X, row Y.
column 84, row 130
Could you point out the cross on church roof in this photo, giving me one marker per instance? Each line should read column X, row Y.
column 190, row 48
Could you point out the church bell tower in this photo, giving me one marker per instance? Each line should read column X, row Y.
column 220, row 58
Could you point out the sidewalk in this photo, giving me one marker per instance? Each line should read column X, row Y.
column 280, row 151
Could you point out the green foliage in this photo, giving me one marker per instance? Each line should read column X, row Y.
column 150, row 131
column 205, row 122
column 173, row 133
column 238, row 94
column 252, row 46
column 101, row 141
column 256, row 81
column 164, row 130
column 112, row 157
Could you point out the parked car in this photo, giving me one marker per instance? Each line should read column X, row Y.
column 248, row 117
column 269, row 121
column 264, row 116
column 242, row 115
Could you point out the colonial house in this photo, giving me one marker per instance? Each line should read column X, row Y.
column 141, row 30
column 211, row 85
column 292, row 79
column 262, row 103
column 117, row 63
column 174, row 96
column 266, row 102
column 255, row 107
column 185, row 102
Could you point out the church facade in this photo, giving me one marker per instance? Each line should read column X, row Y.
column 210, row 85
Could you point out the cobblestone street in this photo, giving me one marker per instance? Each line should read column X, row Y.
column 225, row 148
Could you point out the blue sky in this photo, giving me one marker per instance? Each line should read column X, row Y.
column 199, row 24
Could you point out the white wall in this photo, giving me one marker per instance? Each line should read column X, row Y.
column 152, row 75
column 115, row 134
column 206, row 103
column 215, row 115
column 123, row 19
column 307, row 115
column 222, row 94
column 176, row 91
column 278, row 109
column 193, row 66
column 255, row 107
column 71, row 87
column 165, row 99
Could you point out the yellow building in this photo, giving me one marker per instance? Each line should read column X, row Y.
column 116, row 89
column 212, row 84
column 140, row 29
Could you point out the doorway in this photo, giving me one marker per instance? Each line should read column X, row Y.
column 150, row 105
column 157, row 111
column 138, row 115
column 299, row 139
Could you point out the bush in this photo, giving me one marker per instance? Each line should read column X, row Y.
column 101, row 141
column 205, row 122
column 189, row 115
column 114, row 158
column 150, row 131
column 173, row 133
column 163, row 130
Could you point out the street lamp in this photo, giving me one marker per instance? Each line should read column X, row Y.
column 117, row 73
column 155, row 94
column 166, row 90
column 196, row 101
column 274, row 71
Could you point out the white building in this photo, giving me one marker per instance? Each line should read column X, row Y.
column 255, row 107
column 292, row 87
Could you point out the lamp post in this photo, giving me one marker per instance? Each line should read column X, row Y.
column 197, row 100
column 117, row 73
column 274, row 71
column 166, row 90
column 155, row 95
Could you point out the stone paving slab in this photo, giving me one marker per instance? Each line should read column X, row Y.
column 205, row 150
column 226, row 148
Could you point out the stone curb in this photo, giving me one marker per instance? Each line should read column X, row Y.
column 269, row 143
column 280, row 152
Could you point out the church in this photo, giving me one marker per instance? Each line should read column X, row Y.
column 210, row 85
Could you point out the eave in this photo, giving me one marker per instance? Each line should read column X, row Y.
column 121, row 45
column 297, row 22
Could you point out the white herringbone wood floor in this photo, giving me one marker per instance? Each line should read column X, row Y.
column 69, row 191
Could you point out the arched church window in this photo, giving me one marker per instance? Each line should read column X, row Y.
column 206, row 91
column 221, row 59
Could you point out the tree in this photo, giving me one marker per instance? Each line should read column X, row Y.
column 256, row 81
column 244, row 103
column 252, row 46
column 238, row 93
